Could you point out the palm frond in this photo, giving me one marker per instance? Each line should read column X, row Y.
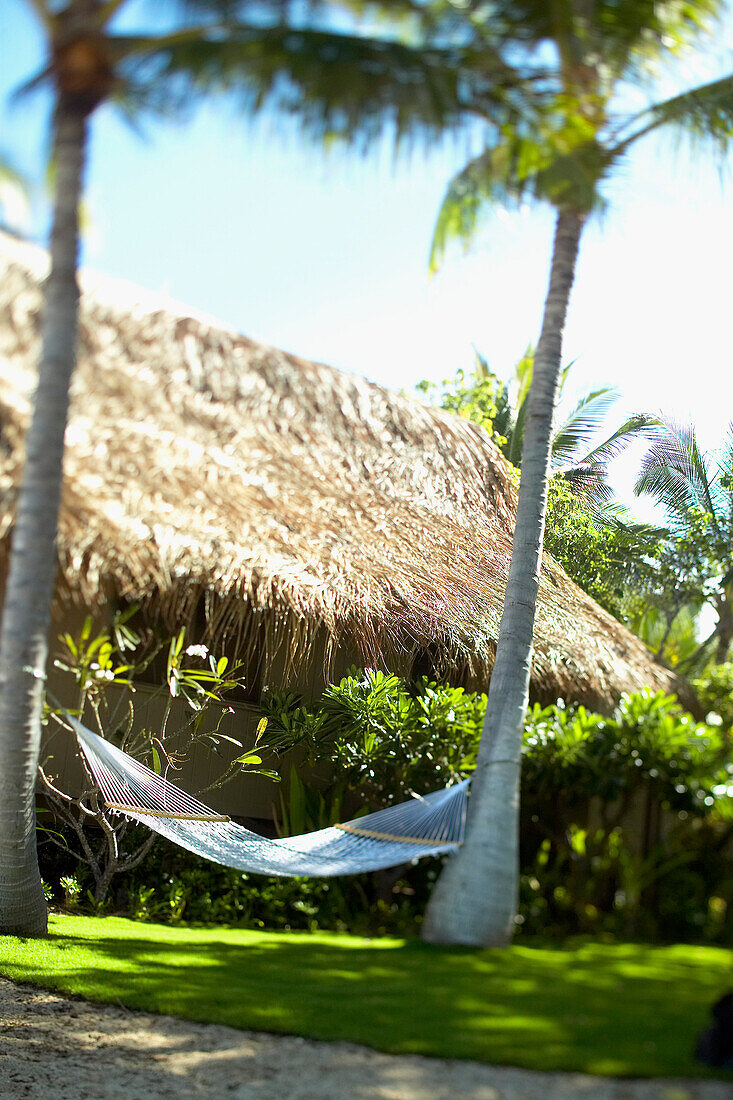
column 524, row 371
column 10, row 174
column 485, row 179
column 675, row 472
column 619, row 516
column 588, row 480
column 558, row 161
column 338, row 85
column 521, row 383
column 703, row 114
column 13, row 193
column 672, row 636
column 580, row 426
column 625, row 35
column 725, row 463
column 639, row 425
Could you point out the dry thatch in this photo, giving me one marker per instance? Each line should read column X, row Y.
column 308, row 508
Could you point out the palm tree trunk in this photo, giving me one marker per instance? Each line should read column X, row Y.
column 27, row 610
column 724, row 628
column 474, row 902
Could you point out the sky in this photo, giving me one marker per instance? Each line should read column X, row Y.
column 326, row 255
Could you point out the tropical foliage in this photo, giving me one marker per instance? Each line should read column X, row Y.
column 565, row 157
column 605, row 552
column 695, row 490
column 13, row 195
column 105, row 668
column 381, row 737
column 577, row 454
column 541, row 91
column 715, row 691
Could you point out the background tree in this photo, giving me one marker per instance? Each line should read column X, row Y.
column 564, row 160
column 695, row 567
column 597, row 542
column 500, row 407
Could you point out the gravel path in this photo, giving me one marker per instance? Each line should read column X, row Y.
column 52, row 1048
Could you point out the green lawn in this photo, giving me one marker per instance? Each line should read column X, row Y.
column 624, row 1009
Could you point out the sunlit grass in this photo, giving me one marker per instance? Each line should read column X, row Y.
column 624, row 1009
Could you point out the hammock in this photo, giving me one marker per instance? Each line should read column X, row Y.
column 421, row 827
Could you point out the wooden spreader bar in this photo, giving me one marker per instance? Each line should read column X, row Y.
column 390, row 836
column 162, row 813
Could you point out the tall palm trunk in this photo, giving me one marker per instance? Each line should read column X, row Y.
column 724, row 629
column 29, row 590
column 475, row 899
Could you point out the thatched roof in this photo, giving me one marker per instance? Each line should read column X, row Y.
column 308, row 506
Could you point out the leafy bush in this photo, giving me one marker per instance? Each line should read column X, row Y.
column 380, row 736
column 715, row 691
column 606, row 554
column 623, row 815
column 648, row 741
column 195, row 690
column 187, row 889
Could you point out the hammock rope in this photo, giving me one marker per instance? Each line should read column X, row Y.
column 399, row 834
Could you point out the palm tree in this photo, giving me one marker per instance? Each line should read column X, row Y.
column 339, row 84
column 695, row 489
column 563, row 161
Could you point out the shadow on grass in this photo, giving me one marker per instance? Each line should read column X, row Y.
column 618, row 1009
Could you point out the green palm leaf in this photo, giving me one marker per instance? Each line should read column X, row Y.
column 574, row 434
column 703, row 114
column 493, row 176
column 587, row 476
column 563, row 165
column 636, row 426
column 13, row 192
column 589, row 480
column 676, row 473
column 336, row 84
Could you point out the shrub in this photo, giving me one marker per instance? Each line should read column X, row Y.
column 380, row 736
column 195, row 690
column 715, row 691
column 622, row 815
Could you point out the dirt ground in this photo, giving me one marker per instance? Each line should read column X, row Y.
column 53, row 1048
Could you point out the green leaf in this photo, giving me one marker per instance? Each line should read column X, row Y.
column 249, row 758
column 231, row 740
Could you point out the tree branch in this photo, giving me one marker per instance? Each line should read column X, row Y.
column 45, row 16
column 108, row 10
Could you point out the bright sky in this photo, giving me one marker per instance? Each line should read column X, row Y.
column 327, row 257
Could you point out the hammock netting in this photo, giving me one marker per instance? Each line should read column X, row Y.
column 421, row 827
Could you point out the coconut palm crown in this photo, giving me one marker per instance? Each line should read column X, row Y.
column 600, row 48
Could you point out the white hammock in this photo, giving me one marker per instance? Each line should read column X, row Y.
column 422, row 827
